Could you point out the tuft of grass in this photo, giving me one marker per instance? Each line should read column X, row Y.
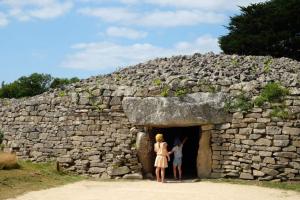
column 8, row 161
column 31, row 177
column 62, row 94
column 289, row 185
column 272, row 92
column 267, row 66
column 280, row 112
column 157, row 82
column 181, row 92
column 239, row 103
column 165, row 91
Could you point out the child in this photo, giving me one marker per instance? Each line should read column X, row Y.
column 177, row 162
column 162, row 157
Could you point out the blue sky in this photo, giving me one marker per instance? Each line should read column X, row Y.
column 82, row 38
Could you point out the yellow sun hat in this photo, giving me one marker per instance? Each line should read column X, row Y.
column 159, row 137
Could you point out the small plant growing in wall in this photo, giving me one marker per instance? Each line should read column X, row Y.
column 165, row 91
column 267, row 66
column 272, row 92
column 280, row 112
column 180, row 92
column 62, row 94
column 239, row 103
column 157, row 82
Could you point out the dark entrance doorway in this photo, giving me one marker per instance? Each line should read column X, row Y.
column 190, row 148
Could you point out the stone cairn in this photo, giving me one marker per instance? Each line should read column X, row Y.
column 83, row 126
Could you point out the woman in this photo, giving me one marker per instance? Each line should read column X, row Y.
column 162, row 157
column 177, row 162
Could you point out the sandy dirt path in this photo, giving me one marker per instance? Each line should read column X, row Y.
column 150, row 190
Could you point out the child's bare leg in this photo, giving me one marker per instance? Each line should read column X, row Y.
column 162, row 170
column 157, row 170
column 180, row 171
column 175, row 171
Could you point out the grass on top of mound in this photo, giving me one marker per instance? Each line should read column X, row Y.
column 31, row 177
column 289, row 185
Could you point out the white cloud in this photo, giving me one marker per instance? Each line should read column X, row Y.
column 36, row 9
column 155, row 18
column 180, row 18
column 212, row 5
column 125, row 32
column 108, row 56
column 3, row 20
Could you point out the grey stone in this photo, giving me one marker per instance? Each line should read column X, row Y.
column 96, row 170
column 263, row 142
column 271, row 172
column 193, row 109
column 291, row 131
column 135, row 176
column 145, row 151
column 281, row 143
column 246, row 176
column 117, row 171
column 258, row 173
column 273, row 130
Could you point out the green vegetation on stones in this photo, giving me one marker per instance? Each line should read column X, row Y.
column 157, row 82
column 272, row 92
column 267, row 66
column 180, row 92
column 239, row 103
column 165, row 91
column 62, row 94
column 235, row 62
column 280, row 112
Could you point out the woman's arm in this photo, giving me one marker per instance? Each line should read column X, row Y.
column 185, row 139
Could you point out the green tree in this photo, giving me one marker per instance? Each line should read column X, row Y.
column 270, row 28
column 32, row 85
column 60, row 82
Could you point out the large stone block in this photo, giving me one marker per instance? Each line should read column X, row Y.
column 291, row 131
column 117, row 171
column 145, row 151
column 192, row 109
column 204, row 159
column 263, row 142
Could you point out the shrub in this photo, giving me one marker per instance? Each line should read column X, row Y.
column 240, row 102
column 180, row 92
column 272, row 92
column 157, row 82
column 280, row 112
column 8, row 161
column 165, row 92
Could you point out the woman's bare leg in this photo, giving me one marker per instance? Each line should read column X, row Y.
column 162, row 170
column 175, row 171
column 180, row 171
column 157, row 170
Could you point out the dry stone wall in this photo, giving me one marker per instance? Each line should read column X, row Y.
column 85, row 128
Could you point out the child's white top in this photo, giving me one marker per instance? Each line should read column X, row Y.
column 177, row 151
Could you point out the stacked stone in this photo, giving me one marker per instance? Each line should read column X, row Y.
column 84, row 126
column 72, row 130
column 257, row 146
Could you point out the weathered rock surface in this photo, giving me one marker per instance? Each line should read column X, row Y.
column 145, row 152
column 84, row 126
column 192, row 109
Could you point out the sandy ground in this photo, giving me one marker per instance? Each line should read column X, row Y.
column 150, row 190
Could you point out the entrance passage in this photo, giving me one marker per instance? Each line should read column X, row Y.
column 190, row 148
